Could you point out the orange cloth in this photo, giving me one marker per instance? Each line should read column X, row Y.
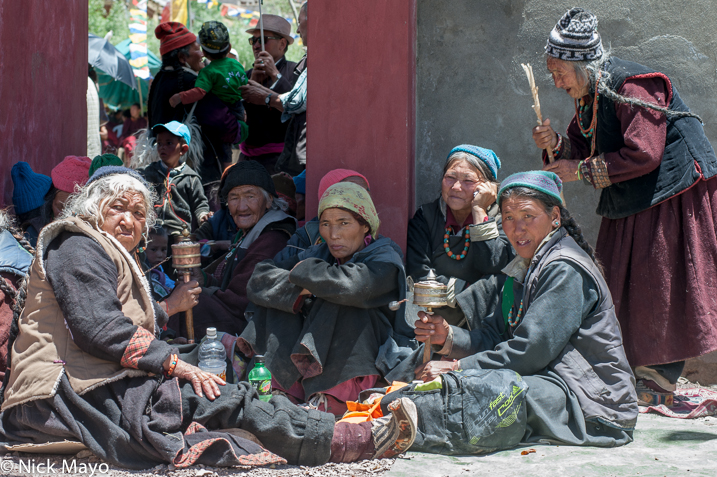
column 360, row 412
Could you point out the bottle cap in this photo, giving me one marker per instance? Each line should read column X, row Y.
column 211, row 332
column 258, row 358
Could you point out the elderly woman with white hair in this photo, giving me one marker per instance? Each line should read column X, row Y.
column 263, row 228
column 635, row 140
column 86, row 365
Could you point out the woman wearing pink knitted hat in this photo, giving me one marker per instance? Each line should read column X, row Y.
column 73, row 171
column 39, row 200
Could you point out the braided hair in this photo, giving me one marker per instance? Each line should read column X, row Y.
column 566, row 220
column 18, row 296
column 589, row 70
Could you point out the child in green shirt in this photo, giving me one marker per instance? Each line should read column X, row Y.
column 223, row 76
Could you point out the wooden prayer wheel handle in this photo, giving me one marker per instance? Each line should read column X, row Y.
column 185, row 255
column 188, row 315
column 427, row 344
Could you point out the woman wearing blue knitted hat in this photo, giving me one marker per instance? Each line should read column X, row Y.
column 548, row 317
column 32, row 209
column 634, row 139
column 459, row 234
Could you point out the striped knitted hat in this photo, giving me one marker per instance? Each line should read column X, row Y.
column 542, row 181
column 173, row 35
column 575, row 37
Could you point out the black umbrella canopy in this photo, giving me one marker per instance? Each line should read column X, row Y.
column 102, row 55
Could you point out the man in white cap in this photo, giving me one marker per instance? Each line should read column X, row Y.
column 271, row 70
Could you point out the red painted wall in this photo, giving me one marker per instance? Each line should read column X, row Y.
column 43, row 85
column 361, row 111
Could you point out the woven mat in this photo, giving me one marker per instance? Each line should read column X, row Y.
column 689, row 404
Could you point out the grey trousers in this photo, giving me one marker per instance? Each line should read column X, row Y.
column 302, row 437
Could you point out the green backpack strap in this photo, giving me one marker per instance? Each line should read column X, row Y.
column 508, row 298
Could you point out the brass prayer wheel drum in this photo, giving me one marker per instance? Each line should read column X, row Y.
column 186, row 255
column 430, row 293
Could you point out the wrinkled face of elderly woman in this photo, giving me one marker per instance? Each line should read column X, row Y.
column 527, row 223
column 459, row 183
column 247, row 204
column 124, row 219
column 565, row 77
column 343, row 234
column 195, row 58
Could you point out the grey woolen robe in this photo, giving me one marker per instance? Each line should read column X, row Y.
column 335, row 335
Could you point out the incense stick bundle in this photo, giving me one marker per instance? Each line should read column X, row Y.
column 536, row 102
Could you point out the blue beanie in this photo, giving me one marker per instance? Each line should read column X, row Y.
column 109, row 170
column 300, row 183
column 486, row 155
column 29, row 187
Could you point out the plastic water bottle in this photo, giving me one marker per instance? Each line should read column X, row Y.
column 260, row 378
column 212, row 356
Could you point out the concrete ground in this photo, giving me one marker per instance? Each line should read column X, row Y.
column 662, row 447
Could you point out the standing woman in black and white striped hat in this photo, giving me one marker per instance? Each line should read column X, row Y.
column 634, row 138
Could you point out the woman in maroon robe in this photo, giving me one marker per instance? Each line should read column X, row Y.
column 635, row 139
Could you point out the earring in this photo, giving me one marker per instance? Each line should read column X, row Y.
column 556, row 223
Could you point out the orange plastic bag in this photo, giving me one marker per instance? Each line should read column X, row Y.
column 360, row 412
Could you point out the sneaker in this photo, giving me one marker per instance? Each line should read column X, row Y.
column 394, row 434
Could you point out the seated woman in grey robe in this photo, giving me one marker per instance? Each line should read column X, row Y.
column 549, row 318
column 322, row 315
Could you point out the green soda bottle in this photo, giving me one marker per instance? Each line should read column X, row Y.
column 260, row 378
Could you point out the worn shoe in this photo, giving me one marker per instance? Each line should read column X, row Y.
column 650, row 394
column 649, row 374
column 394, row 434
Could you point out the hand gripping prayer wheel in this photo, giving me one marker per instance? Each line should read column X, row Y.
column 429, row 294
column 185, row 256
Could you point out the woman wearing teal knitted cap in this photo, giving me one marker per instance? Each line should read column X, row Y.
column 459, row 234
column 550, row 318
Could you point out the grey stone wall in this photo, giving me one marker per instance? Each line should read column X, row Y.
column 471, row 88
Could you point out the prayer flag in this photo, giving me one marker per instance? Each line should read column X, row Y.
column 179, row 11
column 138, row 37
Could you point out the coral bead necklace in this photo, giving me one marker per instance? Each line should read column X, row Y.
column 589, row 132
column 514, row 323
column 447, row 247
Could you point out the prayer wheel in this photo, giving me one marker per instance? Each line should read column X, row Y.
column 185, row 256
column 429, row 294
